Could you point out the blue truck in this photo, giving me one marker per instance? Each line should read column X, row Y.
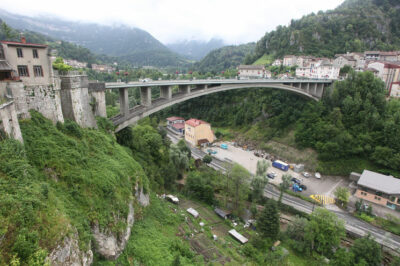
column 280, row 165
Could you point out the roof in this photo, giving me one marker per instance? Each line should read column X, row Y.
column 221, row 213
column 193, row 212
column 178, row 125
column 202, row 141
column 195, row 122
column 9, row 43
column 257, row 67
column 395, row 53
column 238, row 236
column 174, row 118
column 371, row 69
column 5, row 66
column 384, row 183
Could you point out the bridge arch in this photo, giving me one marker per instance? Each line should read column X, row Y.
column 139, row 112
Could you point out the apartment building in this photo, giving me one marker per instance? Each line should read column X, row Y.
column 198, row 132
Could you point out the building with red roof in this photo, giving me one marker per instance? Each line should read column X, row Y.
column 198, row 132
column 176, row 124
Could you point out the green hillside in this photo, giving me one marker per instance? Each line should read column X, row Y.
column 225, row 58
column 62, row 180
column 356, row 25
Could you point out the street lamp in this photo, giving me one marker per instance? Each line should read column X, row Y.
column 126, row 77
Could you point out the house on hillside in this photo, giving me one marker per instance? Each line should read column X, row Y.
column 289, row 60
column 277, row 62
column 29, row 62
column 251, row 71
column 102, row 68
column 198, row 132
column 389, row 72
column 379, row 189
column 176, row 124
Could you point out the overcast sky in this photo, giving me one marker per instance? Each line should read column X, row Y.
column 171, row 20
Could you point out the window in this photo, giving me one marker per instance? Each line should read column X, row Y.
column 19, row 52
column 1, row 52
column 23, row 71
column 35, row 53
column 377, row 198
column 38, row 71
column 363, row 193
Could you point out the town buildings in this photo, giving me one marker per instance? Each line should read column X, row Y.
column 317, row 68
column 380, row 189
column 176, row 124
column 389, row 72
column 102, row 68
column 289, row 60
column 252, row 71
column 75, row 63
column 198, row 132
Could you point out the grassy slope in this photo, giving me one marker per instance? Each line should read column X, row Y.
column 61, row 178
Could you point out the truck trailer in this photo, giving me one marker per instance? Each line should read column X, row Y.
column 280, row 165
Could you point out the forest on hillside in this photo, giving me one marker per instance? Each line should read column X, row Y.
column 356, row 26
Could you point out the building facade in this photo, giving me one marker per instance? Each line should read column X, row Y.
column 290, row 60
column 29, row 61
column 198, row 132
column 251, row 71
column 389, row 72
column 379, row 189
column 176, row 124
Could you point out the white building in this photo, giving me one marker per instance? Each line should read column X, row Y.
column 318, row 69
column 251, row 71
column 289, row 60
column 277, row 62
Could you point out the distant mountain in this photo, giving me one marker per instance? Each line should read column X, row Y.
column 133, row 44
column 225, row 57
column 195, row 49
column 355, row 25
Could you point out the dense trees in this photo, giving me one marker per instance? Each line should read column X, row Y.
column 354, row 26
column 342, row 195
column 237, row 187
column 268, row 221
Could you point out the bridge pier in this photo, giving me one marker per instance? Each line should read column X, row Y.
column 185, row 89
column 98, row 100
column 145, row 96
column 123, row 101
column 166, row 92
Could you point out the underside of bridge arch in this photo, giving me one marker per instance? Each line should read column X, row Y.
column 135, row 116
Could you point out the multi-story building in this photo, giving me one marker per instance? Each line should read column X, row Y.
column 176, row 124
column 198, row 132
column 289, row 60
column 389, row 72
column 318, row 69
column 251, row 71
column 30, row 62
column 380, row 189
column 102, row 68
column 391, row 56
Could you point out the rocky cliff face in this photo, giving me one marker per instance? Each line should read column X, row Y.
column 68, row 253
column 107, row 244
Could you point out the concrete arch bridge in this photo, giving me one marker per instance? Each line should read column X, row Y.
column 189, row 89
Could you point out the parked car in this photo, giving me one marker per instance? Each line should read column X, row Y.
column 303, row 187
column 270, row 175
column 317, row 175
column 296, row 188
column 306, row 174
column 295, row 180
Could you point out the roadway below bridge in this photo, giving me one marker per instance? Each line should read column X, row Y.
column 353, row 225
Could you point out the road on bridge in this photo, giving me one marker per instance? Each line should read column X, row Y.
column 352, row 224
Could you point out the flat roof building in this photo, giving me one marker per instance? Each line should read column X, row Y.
column 380, row 189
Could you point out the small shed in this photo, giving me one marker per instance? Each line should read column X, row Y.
column 193, row 212
column 221, row 213
column 172, row 199
column 238, row 236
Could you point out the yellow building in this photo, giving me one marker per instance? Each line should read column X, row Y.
column 198, row 132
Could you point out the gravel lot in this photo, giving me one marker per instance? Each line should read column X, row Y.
column 324, row 186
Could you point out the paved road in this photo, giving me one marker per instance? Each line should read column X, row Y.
column 352, row 224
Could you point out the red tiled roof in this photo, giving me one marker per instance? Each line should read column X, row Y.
column 195, row 122
column 25, row 44
column 179, row 125
column 174, row 118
